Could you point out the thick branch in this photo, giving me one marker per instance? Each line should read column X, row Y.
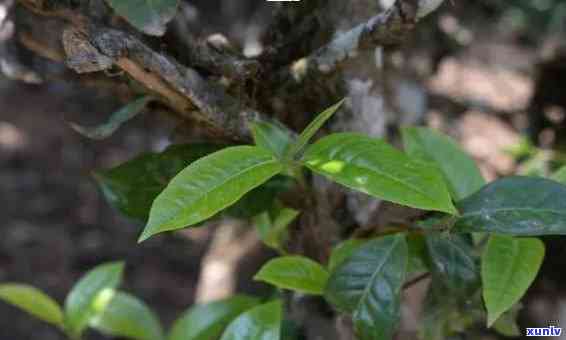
column 389, row 28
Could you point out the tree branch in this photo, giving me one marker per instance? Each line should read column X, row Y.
column 389, row 28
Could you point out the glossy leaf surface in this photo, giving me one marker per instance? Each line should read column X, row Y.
column 374, row 167
column 149, row 16
column 368, row 284
column 208, row 321
column 509, row 266
column 80, row 304
column 133, row 186
column 116, row 120
column 32, row 301
column 343, row 251
column 259, row 323
column 127, row 316
column 208, row 186
column 516, row 206
column 296, row 273
column 452, row 259
column 460, row 171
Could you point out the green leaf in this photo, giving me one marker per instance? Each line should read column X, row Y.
column 560, row 175
column 83, row 301
column 209, row 185
column 311, row 130
column 272, row 137
column 132, row 186
column 127, row 316
column 343, row 251
column 149, row 16
column 516, row 206
column 274, row 233
column 368, row 284
column 509, row 266
column 506, row 324
column 460, row 171
column 260, row 199
column 259, row 323
column 453, row 262
column 417, row 254
column 32, row 301
column 296, row 273
column 116, row 120
column 208, row 321
column 374, row 167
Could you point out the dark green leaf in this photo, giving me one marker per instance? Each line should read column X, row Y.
column 296, row 273
column 312, row 129
column 149, row 16
column 452, row 260
column 83, row 301
column 272, row 137
column 260, row 199
column 517, row 206
column 126, row 316
column 446, row 315
column 116, row 120
column 372, row 166
column 509, row 266
column 32, row 301
column 368, row 284
column 208, row 321
column 460, row 171
column 417, row 254
column 208, row 186
column 343, row 251
column 259, row 323
column 131, row 187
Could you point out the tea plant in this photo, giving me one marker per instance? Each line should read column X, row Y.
column 477, row 243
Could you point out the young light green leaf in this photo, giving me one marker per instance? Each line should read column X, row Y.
column 374, row 167
column 32, row 301
column 374, row 296
column 126, row 316
column 516, row 205
column 296, row 273
column 560, row 175
column 208, row 321
column 274, row 233
column 116, row 120
column 460, row 171
column 272, row 137
column 311, row 130
column 149, row 16
column 259, row 323
column 209, row 185
column 452, row 259
column 509, row 266
column 132, row 186
column 84, row 301
column 343, row 251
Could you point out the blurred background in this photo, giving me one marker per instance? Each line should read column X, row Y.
column 492, row 74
